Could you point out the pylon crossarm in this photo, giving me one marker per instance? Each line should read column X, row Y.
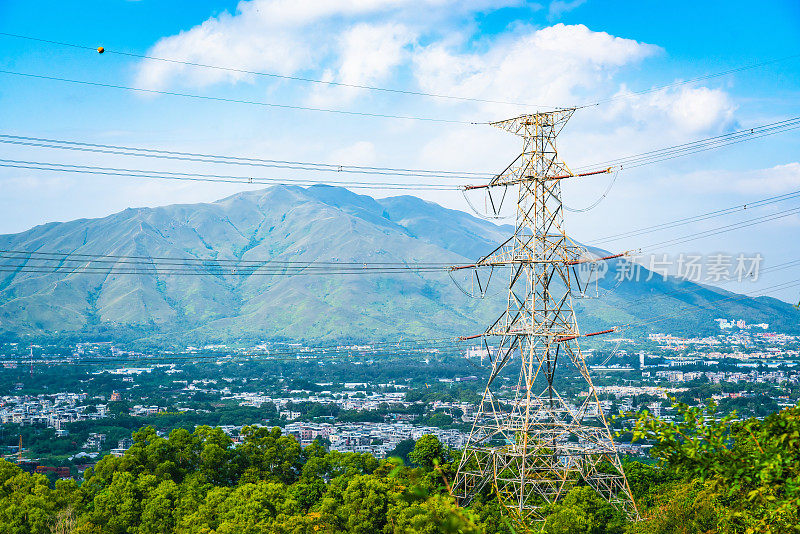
column 512, row 177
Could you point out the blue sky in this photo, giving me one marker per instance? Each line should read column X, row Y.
column 558, row 53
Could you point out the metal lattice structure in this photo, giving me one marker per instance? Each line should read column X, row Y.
column 533, row 448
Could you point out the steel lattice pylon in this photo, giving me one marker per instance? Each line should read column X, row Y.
column 534, row 448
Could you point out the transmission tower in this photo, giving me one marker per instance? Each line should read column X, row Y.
column 527, row 442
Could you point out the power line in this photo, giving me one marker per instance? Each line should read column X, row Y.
column 66, row 261
column 733, row 297
column 697, row 218
column 699, row 145
column 118, row 267
column 236, row 100
column 405, row 91
column 231, row 160
column 780, row 266
column 676, row 151
column 704, row 148
column 689, row 81
column 211, row 266
column 274, row 75
column 198, row 177
column 645, row 158
column 699, row 288
column 208, row 260
column 38, row 262
column 111, row 271
column 724, row 229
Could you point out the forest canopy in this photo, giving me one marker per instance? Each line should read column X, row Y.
column 711, row 475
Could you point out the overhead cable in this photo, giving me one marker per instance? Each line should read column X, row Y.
column 49, row 262
column 646, row 158
column 697, row 218
column 231, row 160
column 699, row 145
column 275, row 75
column 724, row 229
column 678, row 83
column 659, row 155
column 199, row 177
column 236, row 100
column 594, row 103
column 75, row 256
column 702, row 288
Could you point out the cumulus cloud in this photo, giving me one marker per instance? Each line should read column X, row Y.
column 371, row 51
column 236, row 42
column 381, row 42
column 387, row 43
column 551, row 66
column 685, row 109
column 367, row 54
column 288, row 37
column 543, row 67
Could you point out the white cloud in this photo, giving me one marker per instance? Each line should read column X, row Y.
column 288, row 37
column 543, row 67
column 776, row 180
column 367, row 55
column 684, row 109
column 701, row 109
column 236, row 42
column 548, row 66
column 756, row 183
column 371, row 51
column 374, row 42
column 436, row 46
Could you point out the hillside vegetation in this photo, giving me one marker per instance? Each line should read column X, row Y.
column 713, row 476
column 305, row 225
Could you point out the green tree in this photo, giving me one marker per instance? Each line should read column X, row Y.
column 365, row 502
column 433, row 515
column 583, row 511
column 428, row 452
column 750, row 466
column 158, row 508
column 270, row 455
column 26, row 504
column 118, row 506
column 403, row 449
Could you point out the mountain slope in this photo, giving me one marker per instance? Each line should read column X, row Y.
column 295, row 224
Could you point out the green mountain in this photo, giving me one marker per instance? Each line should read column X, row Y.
column 303, row 225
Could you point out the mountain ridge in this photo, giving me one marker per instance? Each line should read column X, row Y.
column 290, row 223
